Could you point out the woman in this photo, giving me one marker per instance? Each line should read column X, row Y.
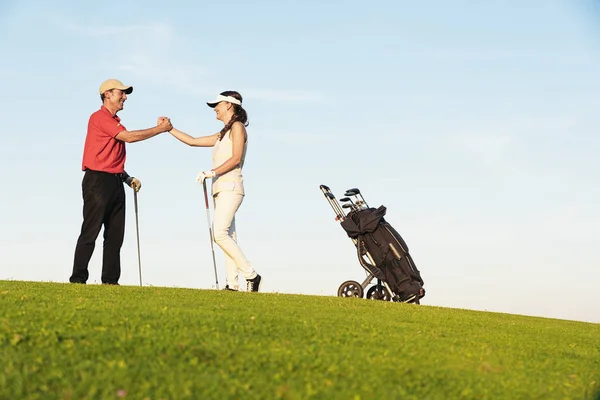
column 229, row 150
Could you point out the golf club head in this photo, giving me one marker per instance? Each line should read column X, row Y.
column 347, row 206
column 352, row 192
column 345, row 199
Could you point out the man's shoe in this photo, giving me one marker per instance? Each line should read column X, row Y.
column 110, row 283
column 230, row 289
column 253, row 285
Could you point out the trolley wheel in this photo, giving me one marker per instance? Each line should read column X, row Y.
column 351, row 289
column 378, row 293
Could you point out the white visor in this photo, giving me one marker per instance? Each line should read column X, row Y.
column 221, row 98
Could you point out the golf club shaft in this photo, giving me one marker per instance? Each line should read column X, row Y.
column 137, row 231
column 210, row 232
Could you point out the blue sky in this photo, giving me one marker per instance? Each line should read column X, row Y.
column 474, row 123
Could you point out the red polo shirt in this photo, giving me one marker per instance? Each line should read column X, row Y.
column 102, row 152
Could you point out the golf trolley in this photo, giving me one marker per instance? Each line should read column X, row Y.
column 354, row 201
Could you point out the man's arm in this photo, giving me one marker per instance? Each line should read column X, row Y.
column 143, row 134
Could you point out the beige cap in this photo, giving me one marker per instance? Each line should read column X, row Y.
column 115, row 84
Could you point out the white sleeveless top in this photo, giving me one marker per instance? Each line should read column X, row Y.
column 232, row 180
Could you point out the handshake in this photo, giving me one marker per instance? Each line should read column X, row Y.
column 165, row 123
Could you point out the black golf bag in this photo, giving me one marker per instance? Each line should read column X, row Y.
column 381, row 251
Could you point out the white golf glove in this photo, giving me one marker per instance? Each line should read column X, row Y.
column 202, row 176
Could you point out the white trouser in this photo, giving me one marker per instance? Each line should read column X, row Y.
column 226, row 204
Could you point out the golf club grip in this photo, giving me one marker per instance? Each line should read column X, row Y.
column 205, row 193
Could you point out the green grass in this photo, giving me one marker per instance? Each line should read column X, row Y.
column 63, row 341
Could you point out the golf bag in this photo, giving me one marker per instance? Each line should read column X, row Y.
column 381, row 251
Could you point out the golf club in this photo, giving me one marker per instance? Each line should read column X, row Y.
column 361, row 203
column 212, row 247
column 347, row 203
column 137, row 230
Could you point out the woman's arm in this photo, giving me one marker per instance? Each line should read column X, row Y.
column 238, row 137
column 202, row 141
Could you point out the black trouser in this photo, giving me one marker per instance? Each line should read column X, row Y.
column 103, row 204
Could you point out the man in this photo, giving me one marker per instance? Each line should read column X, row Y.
column 102, row 185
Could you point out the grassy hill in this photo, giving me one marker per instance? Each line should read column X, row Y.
column 64, row 341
